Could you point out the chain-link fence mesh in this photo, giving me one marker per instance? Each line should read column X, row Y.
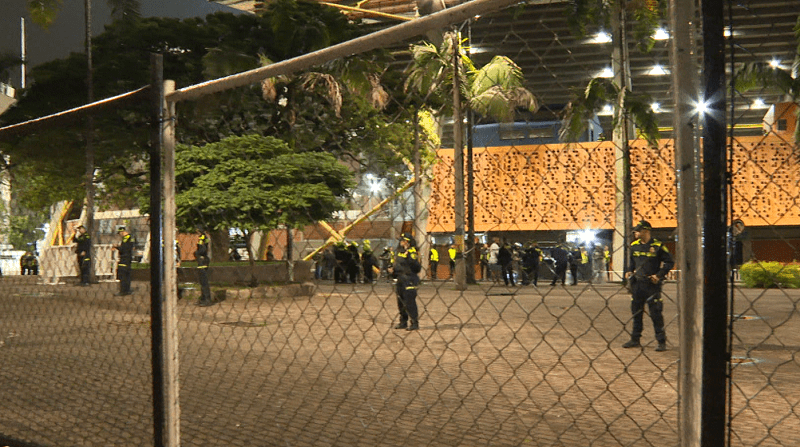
column 294, row 197
column 763, row 235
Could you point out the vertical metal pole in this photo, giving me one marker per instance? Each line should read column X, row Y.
column 621, row 137
column 690, row 313
column 157, row 252
column 170, row 291
column 423, row 243
column 23, row 52
column 458, row 162
column 472, row 256
column 715, row 304
column 89, row 174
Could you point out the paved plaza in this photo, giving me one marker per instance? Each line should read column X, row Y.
column 490, row 366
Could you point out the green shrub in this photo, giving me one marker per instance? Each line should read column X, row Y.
column 770, row 274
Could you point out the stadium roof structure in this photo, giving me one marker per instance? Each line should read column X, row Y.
column 556, row 63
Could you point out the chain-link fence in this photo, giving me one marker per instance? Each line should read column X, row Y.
column 763, row 235
column 350, row 268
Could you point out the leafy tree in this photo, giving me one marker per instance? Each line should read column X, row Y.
column 256, row 183
column 8, row 61
column 25, row 229
column 190, row 47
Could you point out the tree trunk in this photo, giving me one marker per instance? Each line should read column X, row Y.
column 248, row 241
column 219, row 245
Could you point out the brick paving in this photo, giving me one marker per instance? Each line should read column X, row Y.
column 489, row 366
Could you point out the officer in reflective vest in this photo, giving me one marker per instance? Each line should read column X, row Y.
column 406, row 270
column 434, row 262
column 649, row 264
column 203, row 261
column 125, row 250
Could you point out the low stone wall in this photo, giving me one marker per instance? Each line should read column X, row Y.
column 277, row 272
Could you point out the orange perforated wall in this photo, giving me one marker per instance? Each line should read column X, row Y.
column 573, row 186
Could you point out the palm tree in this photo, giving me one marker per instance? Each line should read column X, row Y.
column 766, row 76
column 494, row 90
column 600, row 91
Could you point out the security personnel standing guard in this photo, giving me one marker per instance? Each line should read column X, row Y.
column 84, row 252
column 452, row 253
column 29, row 264
column 650, row 262
column 203, row 261
column 125, row 249
column 530, row 264
column 434, row 258
column 406, row 269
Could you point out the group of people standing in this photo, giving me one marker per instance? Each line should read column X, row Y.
column 346, row 264
column 517, row 263
column 125, row 249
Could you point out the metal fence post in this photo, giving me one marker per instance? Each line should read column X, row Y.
column 170, row 291
column 164, row 349
column 715, row 304
column 688, row 245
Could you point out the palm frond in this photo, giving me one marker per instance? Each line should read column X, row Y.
column 583, row 107
column 639, row 109
column 331, row 88
column 761, row 75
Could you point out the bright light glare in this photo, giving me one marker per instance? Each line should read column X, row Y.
column 587, row 237
column 657, row 70
column 774, row 63
column 601, row 37
column 758, row 104
column 661, row 34
column 608, row 109
column 606, row 73
column 701, row 108
column 656, row 107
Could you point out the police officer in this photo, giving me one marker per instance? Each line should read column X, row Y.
column 530, row 264
column 649, row 264
column 434, row 259
column 83, row 251
column 561, row 258
column 368, row 262
column 125, row 250
column 451, row 252
column 406, row 270
column 29, row 264
column 203, row 261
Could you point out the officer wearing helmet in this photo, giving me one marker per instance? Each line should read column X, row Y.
column 406, row 270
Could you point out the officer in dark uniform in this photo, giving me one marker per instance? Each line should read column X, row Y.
column 530, row 264
column 649, row 264
column 561, row 258
column 406, row 270
column 125, row 249
column 83, row 250
column 353, row 262
column 203, row 261
column 574, row 260
column 29, row 264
